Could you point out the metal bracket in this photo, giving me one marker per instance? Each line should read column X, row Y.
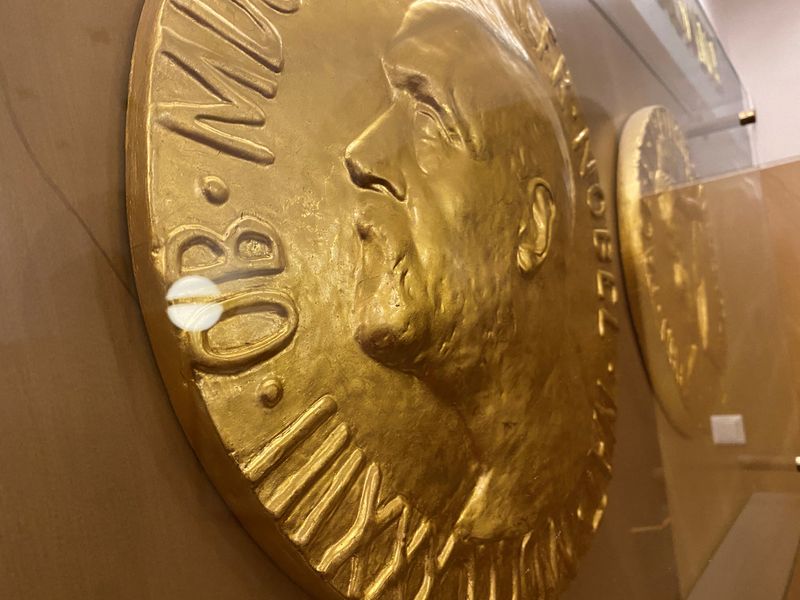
column 742, row 119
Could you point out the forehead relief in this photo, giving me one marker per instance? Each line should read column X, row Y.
column 473, row 61
column 442, row 38
column 456, row 60
column 442, row 31
column 486, row 14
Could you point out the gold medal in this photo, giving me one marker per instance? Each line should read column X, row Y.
column 671, row 269
column 378, row 273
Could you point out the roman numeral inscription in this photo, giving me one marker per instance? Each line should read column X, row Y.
column 333, row 467
column 372, row 519
column 339, row 485
column 276, row 451
column 234, row 52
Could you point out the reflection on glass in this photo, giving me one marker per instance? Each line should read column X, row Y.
column 192, row 305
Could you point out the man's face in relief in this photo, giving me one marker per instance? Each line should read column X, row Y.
column 452, row 221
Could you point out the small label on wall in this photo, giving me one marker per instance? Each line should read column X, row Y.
column 728, row 430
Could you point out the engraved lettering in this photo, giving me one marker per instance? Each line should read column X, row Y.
column 237, row 79
column 330, row 500
column 397, row 563
column 604, row 410
column 605, row 320
column 282, row 444
column 607, row 286
column 562, row 81
column 694, row 32
column 254, row 35
column 581, row 144
column 603, row 245
column 249, row 247
column 596, row 200
column 284, row 6
column 370, row 518
column 369, row 522
column 291, row 489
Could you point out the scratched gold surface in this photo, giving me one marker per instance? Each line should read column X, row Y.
column 378, row 274
column 671, row 269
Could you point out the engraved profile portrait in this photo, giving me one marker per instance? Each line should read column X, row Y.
column 402, row 381
column 465, row 222
column 669, row 249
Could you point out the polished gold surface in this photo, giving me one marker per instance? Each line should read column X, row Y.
column 378, row 274
column 671, row 269
column 701, row 41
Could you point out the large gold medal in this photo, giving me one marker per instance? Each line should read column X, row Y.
column 671, row 269
column 378, row 273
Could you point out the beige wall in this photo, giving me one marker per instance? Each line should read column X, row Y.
column 762, row 38
column 100, row 494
